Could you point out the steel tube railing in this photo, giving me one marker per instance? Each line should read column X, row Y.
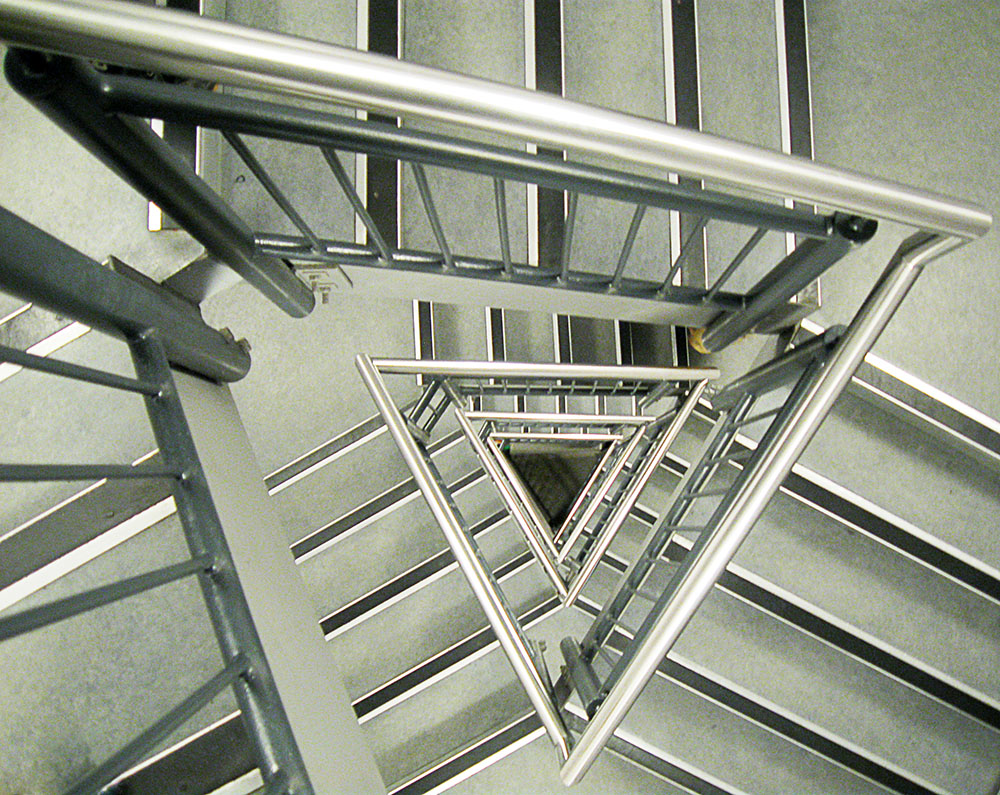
column 173, row 102
column 333, row 160
column 532, row 526
column 565, row 372
column 598, row 437
column 568, row 228
column 500, row 197
column 735, row 263
column 718, row 439
column 472, row 566
column 184, row 44
column 713, row 551
column 517, row 485
column 259, row 700
column 582, row 495
column 576, row 523
column 689, row 244
column 424, row 189
column 778, row 372
column 545, row 418
column 808, row 262
column 623, row 507
column 630, row 236
column 268, row 183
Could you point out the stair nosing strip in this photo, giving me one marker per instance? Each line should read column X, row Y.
column 402, row 585
column 442, row 664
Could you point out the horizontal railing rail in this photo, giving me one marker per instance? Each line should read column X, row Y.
column 105, row 112
column 185, row 45
column 182, row 103
column 37, row 267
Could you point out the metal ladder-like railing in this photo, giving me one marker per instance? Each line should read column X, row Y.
column 104, row 109
column 116, row 305
column 647, row 605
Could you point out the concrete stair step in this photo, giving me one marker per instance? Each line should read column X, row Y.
column 728, row 747
column 631, row 37
column 329, row 503
column 385, row 548
column 414, row 630
column 458, row 332
column 738, row 56
column 778, row 673
column 470, row 702
column 533, row 768
column 872, row 587
column 910, row 473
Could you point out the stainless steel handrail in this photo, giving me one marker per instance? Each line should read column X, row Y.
column 703, row 568
column 517, row 370
column 190, row 46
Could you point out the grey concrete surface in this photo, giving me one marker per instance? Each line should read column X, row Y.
column 384, row 549
column 841, row 696
column 630, row 36
column 909, row 473
column 906, row 91
column 736, row 751
column 473, row 701
column 533, row 769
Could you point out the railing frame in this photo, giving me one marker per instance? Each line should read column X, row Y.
column 173, row 42
column 80, row 100
column 807, row 407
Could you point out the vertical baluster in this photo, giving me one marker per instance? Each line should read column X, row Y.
column 567, row 248
column 741, row 255
column 272, row 188
column 500, row 194
column 686, row 249
column 359, row 206
column 633, row 230
column 432, row 214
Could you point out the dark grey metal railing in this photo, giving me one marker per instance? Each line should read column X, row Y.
column 157, row 330
column 101, row 109
column 45, row 271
